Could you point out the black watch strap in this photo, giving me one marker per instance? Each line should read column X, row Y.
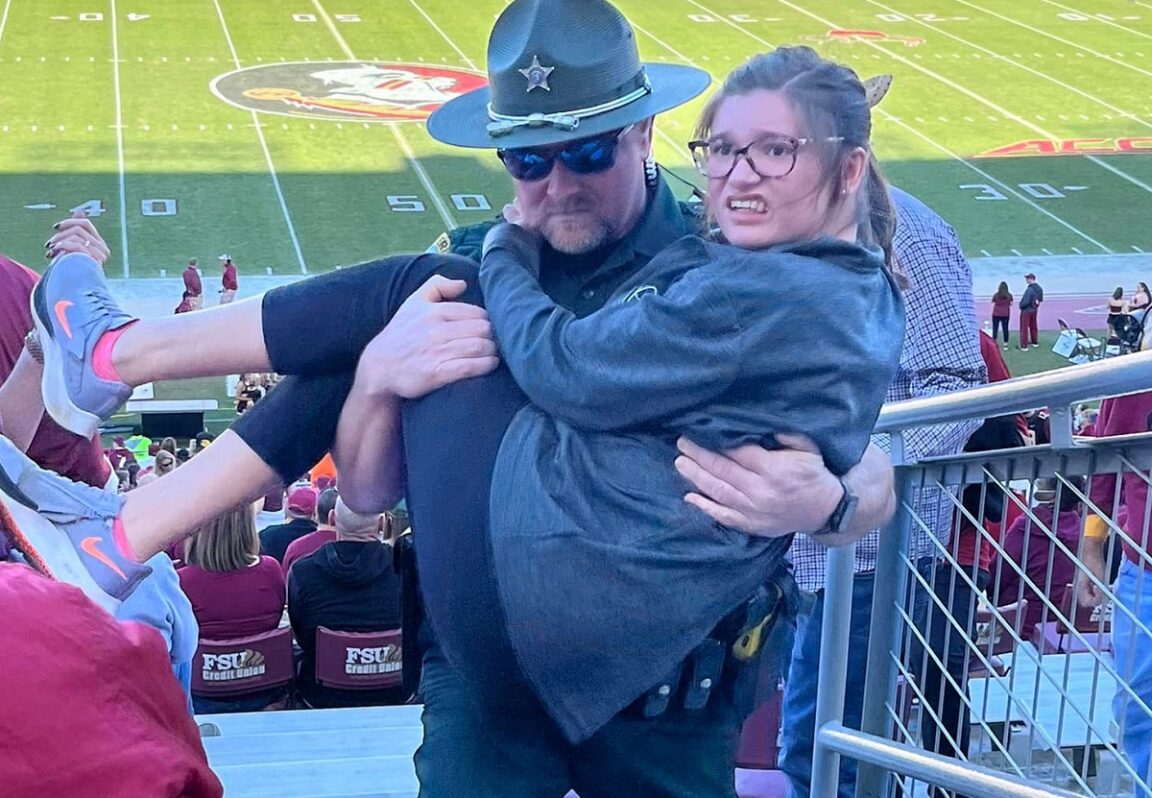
column 844, row 513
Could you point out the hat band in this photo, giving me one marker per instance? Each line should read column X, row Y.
column 503, row 124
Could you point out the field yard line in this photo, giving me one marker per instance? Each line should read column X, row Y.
column 679, row 147
column 979, row 98
column 351, row 56
column 1019, row 65
column 4, row 19
column 264, row 146
column 409, row 153
column 1053, row 36
column 447, row 38
column 445, row 214
column 945, row 150
column 664, row 44
column 1100, row 19
column 1003, row 186
column 119, row 140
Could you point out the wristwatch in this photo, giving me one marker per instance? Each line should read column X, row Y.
column 845, row 511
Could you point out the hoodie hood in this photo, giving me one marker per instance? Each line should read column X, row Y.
column 354, row 563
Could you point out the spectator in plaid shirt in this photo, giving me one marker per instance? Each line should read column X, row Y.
column 941, row 354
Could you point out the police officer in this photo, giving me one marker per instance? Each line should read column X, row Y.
column 569, row 111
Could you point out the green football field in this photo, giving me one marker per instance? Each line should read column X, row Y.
column 1026, row 123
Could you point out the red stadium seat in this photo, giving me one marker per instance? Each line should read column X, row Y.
column 358, row 660
column 244, row 665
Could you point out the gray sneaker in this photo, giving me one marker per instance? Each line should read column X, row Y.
column 64, row 528
column 72, row 308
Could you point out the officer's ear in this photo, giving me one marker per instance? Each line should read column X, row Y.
column 644, row 131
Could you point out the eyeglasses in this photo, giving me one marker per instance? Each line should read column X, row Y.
column 584, row 157
column 769, row 156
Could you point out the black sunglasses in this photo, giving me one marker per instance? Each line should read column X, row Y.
column 584, row 157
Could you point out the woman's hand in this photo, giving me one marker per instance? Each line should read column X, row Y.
column 76, row 234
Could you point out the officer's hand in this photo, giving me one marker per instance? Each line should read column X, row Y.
column 76, row 234
column 429, row 343
column 763, row 492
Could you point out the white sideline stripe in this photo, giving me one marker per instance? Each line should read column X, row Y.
column 978, row 97
column 1007, row 60
column 429, row 186
column 1109, row 22
column 119, row 141
column 417, row 167
column 351, row 56
column 943, row 149
column 4, row 18
column 1060, row 39
column 680, row 148
column 264, row 146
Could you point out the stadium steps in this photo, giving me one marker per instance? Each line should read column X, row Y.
column 346, row 753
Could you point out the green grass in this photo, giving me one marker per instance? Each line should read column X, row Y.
column 989, row 73
column 1034, row 361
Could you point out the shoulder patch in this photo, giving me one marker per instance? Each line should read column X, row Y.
column 443, row 244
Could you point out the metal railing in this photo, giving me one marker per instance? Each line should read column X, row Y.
column 999, row 681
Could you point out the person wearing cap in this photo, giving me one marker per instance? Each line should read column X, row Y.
column 193, row 286
column 1123, row 522
column 229, row 284
column 1029, row 307
column 300, row 515
column 325, row 530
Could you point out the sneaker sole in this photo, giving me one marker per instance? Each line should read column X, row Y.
column 48, row 548
column 53, row 386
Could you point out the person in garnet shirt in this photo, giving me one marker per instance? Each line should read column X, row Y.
column 228, row 282
column 325, row 530
column 193, row 287
column 234, row 591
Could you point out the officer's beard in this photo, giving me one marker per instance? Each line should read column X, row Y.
column 577, row 234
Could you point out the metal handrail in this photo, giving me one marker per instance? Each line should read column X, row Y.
column 1059, row 388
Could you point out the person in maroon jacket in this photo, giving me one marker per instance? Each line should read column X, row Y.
column 229, row 284
column 193, row 288
column 22, row 417
column 1132, row 612
column 90, row 705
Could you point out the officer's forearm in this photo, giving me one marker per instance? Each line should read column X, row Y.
column 369, row 451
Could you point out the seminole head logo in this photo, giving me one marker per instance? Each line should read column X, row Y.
column 390, row 92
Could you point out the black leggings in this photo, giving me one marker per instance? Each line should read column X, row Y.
column 997, row 323
column 314, row 331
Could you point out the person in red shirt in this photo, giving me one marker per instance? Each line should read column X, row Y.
column 193, row 288
column 90, row 705
column 228, row 281
column 1132, row 610
column 186, row 304
column 234, row 593
column 22, row 416
column 1001, row 311
column 325, row 530
column 1029, row 544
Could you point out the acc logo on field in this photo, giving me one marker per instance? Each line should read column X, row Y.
column 851, row 36
column 349, row 91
